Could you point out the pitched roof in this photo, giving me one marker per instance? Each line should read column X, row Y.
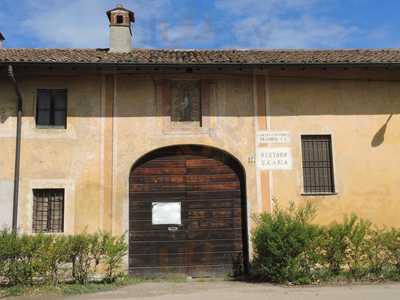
column 201, row 57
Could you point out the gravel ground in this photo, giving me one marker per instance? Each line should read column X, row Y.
column 224, row 290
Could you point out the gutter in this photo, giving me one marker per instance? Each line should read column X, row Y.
column 17, row 148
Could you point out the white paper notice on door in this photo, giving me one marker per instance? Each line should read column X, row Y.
column 166, row 213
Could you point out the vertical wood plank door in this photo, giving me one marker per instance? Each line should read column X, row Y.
column 211, row 237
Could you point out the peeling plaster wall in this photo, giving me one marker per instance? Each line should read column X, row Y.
column 55, row 158
column 93, row 157
column 137, row 131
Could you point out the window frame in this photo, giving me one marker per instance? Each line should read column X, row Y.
column 52, row 109
column 49, row 218
column 334, row 190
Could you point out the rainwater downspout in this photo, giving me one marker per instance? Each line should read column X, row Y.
column 17, row 148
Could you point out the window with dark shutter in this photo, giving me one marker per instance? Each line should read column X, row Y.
column 317, row 164
column 48, row 210
column 51, row 108
column 120, row 19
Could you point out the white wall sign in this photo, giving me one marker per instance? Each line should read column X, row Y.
column 274, row 159
column 166, row 213
column 273, row 137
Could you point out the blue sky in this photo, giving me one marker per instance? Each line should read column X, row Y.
column 206, row 23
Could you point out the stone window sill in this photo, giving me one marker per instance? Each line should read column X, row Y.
column 319, row 194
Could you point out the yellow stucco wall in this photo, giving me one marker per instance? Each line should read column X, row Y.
column 92, row 158
column 365, row 155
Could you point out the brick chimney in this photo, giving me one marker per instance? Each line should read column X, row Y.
column 121, row 20
column 2, row 39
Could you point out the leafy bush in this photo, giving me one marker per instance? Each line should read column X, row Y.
column 283, row 244
column 391, row 240
column 346, row 246
column 115, row 249
column 79, row 250
column 54, row 255
column 288, row 247
column 378, row 253
column 28, row 260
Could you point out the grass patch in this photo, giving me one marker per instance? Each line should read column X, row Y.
column 68, row 289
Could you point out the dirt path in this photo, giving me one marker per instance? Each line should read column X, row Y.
column 221, row 290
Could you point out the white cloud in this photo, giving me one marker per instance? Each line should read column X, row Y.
column 83, row 23
column 303, row 32
column 169, row 23
column 284, row 24
column 67, row 23
column 262, row 6
column 177, row 35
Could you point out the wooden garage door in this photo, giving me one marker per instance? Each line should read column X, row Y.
column 209, row 240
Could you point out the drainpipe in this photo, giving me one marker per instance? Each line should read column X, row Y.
column 17, row 148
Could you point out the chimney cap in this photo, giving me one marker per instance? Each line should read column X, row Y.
column 2, row 38
column 121, row 7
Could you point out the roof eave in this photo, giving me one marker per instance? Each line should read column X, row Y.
column 185, row 65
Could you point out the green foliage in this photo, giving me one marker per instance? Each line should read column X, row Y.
column 67, row 289
column 115, row 249
column 346, row 246
column 54, row 254
column 40, row 259
column 288, row 247
column 391, row 244
column 284, row 242
column 79, row 250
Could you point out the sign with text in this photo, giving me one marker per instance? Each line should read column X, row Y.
column 274, row 159
column 273, row 137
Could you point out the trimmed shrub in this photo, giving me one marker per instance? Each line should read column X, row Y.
column 55, row 254
column 115, row 249
column 27, row 260
column 79, row 247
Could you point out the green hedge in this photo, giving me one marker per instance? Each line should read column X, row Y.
column 37, row 259
column 288, row 247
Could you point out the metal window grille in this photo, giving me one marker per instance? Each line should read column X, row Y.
column 51, row 108
column 317, row 164
column 48, row 210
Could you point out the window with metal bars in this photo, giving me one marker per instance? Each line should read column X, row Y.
column 51, row 108
column 317, row 164
column 48, row 210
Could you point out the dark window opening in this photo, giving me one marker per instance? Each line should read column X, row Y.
column 51, row 108
column 120, row 19
column 48, row 210
column 317, row 164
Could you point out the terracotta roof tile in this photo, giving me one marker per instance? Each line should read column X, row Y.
column 200, row 57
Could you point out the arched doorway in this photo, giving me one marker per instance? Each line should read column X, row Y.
column 187, row 213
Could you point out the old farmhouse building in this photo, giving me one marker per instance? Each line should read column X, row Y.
column 179, row 148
